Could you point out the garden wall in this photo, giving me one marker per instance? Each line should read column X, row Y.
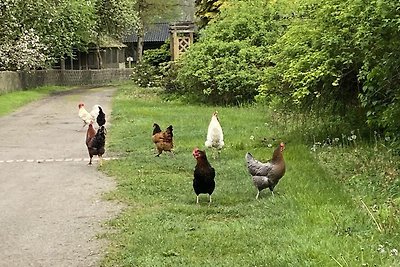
column 21, row 80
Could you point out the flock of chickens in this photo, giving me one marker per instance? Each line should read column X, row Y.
column 264, row 175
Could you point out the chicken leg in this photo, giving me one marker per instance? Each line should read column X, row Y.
column 258, row 193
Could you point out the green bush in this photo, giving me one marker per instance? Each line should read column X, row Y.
column 226, row 65
column 339, row 56
column 157, row 56
column 148, row 73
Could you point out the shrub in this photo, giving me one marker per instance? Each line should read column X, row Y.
column 225, row 66
column 148, row 73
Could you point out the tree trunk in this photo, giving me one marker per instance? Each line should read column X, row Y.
column 98, row 53
column 62, row 63
column 140, row 40
column 140, row 44
column 99, row 59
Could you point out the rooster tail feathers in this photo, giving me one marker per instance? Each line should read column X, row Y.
column 170, row 130
column 156, row 128
column 95, row 111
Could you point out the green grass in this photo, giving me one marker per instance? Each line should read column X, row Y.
column 12, row 101
column 313, row 220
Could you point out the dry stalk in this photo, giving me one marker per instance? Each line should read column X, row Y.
column 378, row 225
column 337, row 261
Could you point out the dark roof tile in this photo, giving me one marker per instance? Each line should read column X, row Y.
column 156, row 32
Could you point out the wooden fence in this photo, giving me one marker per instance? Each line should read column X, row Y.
column 22, row 80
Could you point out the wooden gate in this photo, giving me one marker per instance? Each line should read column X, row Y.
column 181, row 38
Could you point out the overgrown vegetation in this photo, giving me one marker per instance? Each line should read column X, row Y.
column 329, row 210
column 337, row 56
column 149, row 72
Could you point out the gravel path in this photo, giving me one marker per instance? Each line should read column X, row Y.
column 50, row 199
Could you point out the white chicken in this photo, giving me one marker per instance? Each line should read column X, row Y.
column 215, row 136
column 84, row 115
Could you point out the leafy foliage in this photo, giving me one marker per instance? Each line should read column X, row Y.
column 115, row 17
column 226, row 64
column 36, row 32
column 341, row 56
column 208, row 10
column 315, row 60
column 148, row 73
column 150, row 11
column 31, row 52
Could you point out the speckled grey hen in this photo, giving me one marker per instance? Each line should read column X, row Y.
column 267, row 175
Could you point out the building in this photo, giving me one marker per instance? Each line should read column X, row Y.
column 112, row 56
column 155, row 36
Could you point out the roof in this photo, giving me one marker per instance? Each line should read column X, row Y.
column 155, row 32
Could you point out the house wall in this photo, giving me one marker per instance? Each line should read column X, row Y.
column 113, row 57
column 21, row 80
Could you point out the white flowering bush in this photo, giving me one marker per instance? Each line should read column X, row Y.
column 27, row 52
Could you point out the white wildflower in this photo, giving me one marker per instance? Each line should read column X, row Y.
column 381, row 249
column 252, row 137
column 394, row 252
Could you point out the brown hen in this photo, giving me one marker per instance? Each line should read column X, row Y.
column 162, row 139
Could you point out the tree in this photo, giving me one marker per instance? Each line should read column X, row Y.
column 207, row 10
column 114, row 19
column 42, row 30
column 150, row 11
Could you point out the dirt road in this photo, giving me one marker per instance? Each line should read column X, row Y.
column 50, row 199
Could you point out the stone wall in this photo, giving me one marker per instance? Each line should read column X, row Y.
column 22, row 80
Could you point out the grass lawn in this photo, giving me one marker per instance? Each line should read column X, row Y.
column 12, row 101
column 312, row 220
